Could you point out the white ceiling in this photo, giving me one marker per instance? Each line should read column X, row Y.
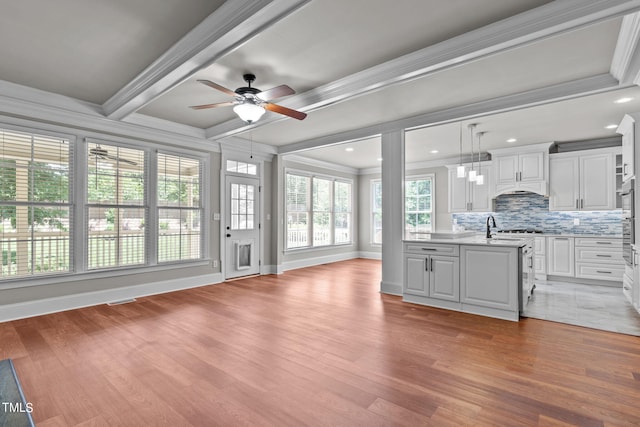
column 358, row 67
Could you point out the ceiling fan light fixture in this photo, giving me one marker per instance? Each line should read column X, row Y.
column 249, row 112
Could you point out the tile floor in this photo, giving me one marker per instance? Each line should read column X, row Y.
column 598, row 307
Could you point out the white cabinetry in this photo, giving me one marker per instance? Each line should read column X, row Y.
column 582, row 181
column 488, row 276
column 432, row 271
column 540, row 260
column 599, row 258
column 465, row 196
column 560, row 256
column 523, row 168
column 627, row 129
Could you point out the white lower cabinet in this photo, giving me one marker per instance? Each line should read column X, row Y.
column 489, row 277
column 540, row 260
column 561, row 258
column 594, row 258
column 435, row 276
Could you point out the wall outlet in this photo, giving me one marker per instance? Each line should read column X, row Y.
column 214, row 263
column 216, row 216
column 576, row 221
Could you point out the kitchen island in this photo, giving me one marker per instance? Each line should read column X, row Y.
column 489, row 277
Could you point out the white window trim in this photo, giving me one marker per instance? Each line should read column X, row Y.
column 372, row 230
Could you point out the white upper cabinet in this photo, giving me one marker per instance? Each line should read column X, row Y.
column 582, row 180
column 627, row 130
column 523, row 168
column 465, row 196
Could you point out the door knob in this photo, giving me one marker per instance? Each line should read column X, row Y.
column 228, row 235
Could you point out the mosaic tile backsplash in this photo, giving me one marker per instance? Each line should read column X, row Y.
column 530, row 210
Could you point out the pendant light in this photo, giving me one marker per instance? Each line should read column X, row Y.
column 479, row 177
column 472, row 172
column 462, row 171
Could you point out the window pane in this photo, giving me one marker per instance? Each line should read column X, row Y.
column 116, row 236
column 321, row 195
column 179, row 236
column 297, row 229
column 342, row 228
column 321, row 229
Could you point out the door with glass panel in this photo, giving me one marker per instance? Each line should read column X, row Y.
column 242, row 230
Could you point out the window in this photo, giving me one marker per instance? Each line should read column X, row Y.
column 180, row 210
column 418, row 202
column 242, row 206
column 35, row 205
column 319, row 211
column 376, row 212
column 418, row 207
column 242, row 167
column 116, row 206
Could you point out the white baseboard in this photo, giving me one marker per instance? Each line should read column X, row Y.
column 391, row 288
column 69, row 302
column 370, row 255
column 310, row 262
column 269, row 269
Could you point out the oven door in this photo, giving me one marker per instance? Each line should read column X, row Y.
column 628, row 234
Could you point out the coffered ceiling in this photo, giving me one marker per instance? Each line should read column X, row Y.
column 539, row 70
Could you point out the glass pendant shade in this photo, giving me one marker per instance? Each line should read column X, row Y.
column 472, row 176
column 462, row 171
column 249, row 112
column 479, row 179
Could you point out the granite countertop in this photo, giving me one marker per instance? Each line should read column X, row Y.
column 597, row 236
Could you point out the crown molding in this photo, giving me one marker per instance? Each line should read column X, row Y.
column 625, row 65
column 541, row 96
column 35, row 105
column 231, row 25
column 525, row 28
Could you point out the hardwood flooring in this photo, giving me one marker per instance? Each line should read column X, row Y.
column 316, row 346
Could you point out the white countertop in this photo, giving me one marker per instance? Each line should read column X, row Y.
column 480, row 240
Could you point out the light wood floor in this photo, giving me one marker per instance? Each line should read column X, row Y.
column 316, row 346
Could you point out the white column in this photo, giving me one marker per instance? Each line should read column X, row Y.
column 392, row 211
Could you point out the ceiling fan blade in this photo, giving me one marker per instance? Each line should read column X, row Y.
column 121, row 160
column 275, row 92
column 218, row 87
column 219, row 104
column 284, row 110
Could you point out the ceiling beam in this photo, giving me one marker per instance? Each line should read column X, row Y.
column 231, row 25
column 625, row 65
column 553, row 93
column 545, row 21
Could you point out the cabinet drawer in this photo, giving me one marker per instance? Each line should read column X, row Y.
column 599, row 242
column 599, row 271
column 432, row 248
column 600, row 256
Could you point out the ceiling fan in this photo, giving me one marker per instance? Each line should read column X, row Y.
column 101, row 153
column 250, row 103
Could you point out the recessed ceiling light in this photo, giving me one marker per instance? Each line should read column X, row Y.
column 511, row 140
column 611, row 126
column 379, row 159
column 434, row 151
column 348, row 149
column 623, row 100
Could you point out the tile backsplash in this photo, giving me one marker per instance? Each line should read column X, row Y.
column 530, row 210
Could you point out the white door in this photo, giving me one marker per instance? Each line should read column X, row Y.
column 564, row 177
column 457, row 192
column 242, row 230
column 597, row 182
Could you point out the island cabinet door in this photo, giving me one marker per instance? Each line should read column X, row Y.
column 489, row 277
column 416, row 275
column 444, row 281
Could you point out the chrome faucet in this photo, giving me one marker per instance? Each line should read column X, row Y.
column 491, row 222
